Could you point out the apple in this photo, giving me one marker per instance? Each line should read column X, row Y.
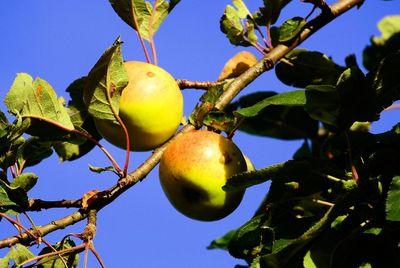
column 193, row 169
column 151, row 107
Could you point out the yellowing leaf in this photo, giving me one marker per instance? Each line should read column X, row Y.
column 237, row 65
column 88, row 198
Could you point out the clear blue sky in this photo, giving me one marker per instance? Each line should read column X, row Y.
column 61, row 40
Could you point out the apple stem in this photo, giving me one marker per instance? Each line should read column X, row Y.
column 152, row 44
column 127, row 138
column 136, row 24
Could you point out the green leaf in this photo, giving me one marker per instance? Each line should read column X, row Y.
column 12, row 199
column 382, row 46
column 33, row 151
column 100, row 169
column 220, row 120
column 242, row 9
column 25, row 181
column 269, row 13
column 392, row 201
column 251, row 239
column 4, row 262
column 357, row 101
column 222, row 242
column 386, row 81
column 323, row 103
column 207, row 102
column 290, row 29
column 20, row 254
column 105, row 83
column 6, row 204
column 308, row 261
column 288, row 169
column 278, row 121
column 231, row 26
column 291, row 98
column 37, row 101
column 303, row 68
column 148, row 18
column 72, row 258
column 77, row 146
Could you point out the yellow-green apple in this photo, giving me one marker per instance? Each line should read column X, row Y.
column 193, row 169
column 151, row 107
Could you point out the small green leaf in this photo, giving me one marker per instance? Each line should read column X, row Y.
column 222, row 242
column 242, row 9
column 251, row 239
column 308, row 261
column 100, row 169
column 148, row 18
column 290, row 29
column 392, row 201
column 12, row 199
column 104, row 84
column 26, row 181
column 33, row 151
column 269, row 13
column 231, row 26
column 220, row 120
column 6, row 203
column 382, row 46
column 72, row 258
column 285, row 170
column 291, row 98
column 20, row 254
column 388, row 26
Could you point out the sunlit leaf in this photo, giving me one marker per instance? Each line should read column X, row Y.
column 387, row 43
column 291, row 98
column 392, row 201
column 290, row 29
column 148, row 17
column 37, row 101
column 72, row 259
column 20, row 254
column 278, row 121
column 104, row 84
column 232, row 27
column 26, row 181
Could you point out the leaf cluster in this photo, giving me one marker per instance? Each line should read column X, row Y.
column 336, row 203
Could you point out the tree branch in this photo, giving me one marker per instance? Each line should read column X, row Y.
column 265, row 64
column 183, row 83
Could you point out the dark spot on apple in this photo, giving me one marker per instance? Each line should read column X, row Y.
column 225, row 158
column 191, row 195
column 150, row 74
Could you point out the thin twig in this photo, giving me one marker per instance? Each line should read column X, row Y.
column 39, row 204
column 184, row 83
